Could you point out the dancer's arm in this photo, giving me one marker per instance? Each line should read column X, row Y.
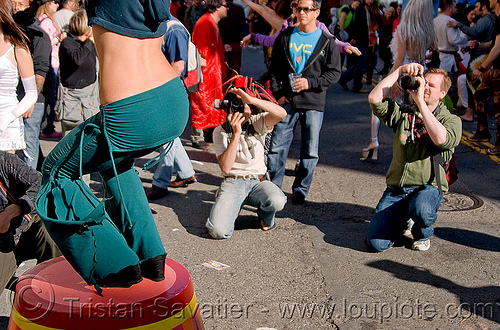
column 26, row 71
column 268, row 14
column 495, row 51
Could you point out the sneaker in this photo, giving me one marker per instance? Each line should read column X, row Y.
column 178, row 182
column 55, row 135
column 407, row 233
column 421, row 245
column 493, row 151
column 298, row 199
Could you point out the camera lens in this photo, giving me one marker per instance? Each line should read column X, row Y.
column 236, row 103
column 409, row 82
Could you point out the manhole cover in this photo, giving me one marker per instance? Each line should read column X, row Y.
column 453, row 201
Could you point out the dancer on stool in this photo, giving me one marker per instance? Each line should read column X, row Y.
column 144, row 104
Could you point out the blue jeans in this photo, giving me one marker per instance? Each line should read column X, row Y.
column 356, row 67
column 394, row 211
column 233, row 194
column 32, row 135
column 310, row 127
column 50, row 101
column 175, row 160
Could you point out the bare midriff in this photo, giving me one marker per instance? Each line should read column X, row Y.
column 129, row 66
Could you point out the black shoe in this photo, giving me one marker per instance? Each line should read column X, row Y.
column 298, row 199
column 125, row 278
column 362, row 91
column 11, row 285
column 156, row 192
column 200, row 145
column 344, row 86
column 154, row 268
column 475, row 138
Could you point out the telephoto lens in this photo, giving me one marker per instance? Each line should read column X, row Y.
column 409, row 82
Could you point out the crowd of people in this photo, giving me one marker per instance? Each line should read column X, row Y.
column 64, row 60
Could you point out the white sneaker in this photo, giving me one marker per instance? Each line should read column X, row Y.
column 421, row 245
column 407, row 232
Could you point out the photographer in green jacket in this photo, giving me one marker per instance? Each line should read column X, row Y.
column 425, row 132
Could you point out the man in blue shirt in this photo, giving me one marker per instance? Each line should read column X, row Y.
column 309, row 52
column 175, row 48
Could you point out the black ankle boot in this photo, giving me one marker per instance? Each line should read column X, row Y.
column 154, row 268
column 125, row 278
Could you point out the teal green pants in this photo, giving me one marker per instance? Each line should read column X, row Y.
column 116, row 235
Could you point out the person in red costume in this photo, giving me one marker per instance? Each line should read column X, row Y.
column 207, row 38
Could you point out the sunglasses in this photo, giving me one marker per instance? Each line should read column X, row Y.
column 225, row 5
column 306, row 10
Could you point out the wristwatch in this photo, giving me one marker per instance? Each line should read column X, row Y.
column 481, row 69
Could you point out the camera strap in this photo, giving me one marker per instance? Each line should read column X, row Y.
column 436, row 158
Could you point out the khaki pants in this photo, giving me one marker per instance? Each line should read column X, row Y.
column 35, row 243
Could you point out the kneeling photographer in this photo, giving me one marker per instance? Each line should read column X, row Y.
column 239, row 146
column 22, row 234
column 426, row 134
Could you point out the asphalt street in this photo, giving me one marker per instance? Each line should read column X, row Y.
column 313, row 271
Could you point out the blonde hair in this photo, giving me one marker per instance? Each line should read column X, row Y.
column 446, row 84
column 44, row 9
column 416, row 29
column 78, row 23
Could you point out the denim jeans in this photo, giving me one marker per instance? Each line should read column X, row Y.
column 310, row 127
column 32, row 135
column 176, row 160
column 50, row 101
column 356, row 67
column 233, row 194
column 394, row 211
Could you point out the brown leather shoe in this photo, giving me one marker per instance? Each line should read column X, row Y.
column 178, row 182
column 156, row 192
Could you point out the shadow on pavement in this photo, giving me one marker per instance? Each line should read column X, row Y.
column 342, row 224
column 4, row 322
column 482, row 301
column 192, row 207
column 469, row 238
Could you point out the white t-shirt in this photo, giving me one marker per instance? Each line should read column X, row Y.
column 250, row 155
column 448, row 40
column 61, row 18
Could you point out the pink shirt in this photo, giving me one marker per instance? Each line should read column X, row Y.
column 48, row 26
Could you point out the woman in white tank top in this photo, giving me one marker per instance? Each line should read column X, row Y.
column 15, row 62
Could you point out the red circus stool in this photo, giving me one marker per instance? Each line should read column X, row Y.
column 53, row 296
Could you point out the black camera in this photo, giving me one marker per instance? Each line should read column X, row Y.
column 409, row 82
column 230, row 103
column 10, row 238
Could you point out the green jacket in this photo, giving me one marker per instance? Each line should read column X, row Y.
column 411, row 162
